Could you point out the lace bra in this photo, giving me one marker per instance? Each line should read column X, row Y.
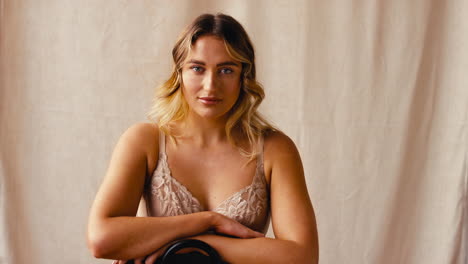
column 165, row 196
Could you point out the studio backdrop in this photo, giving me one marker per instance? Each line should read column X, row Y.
column 374, row 93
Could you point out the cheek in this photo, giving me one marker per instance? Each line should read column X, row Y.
column 230, row 83
column 190, row 83
column 233, row 88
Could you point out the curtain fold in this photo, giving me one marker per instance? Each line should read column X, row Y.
column 374, row 94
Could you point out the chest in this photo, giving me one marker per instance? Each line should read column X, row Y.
column 211, row 176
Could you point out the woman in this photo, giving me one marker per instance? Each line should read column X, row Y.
column 211, row 165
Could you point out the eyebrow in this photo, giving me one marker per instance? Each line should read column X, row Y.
column 219, row 64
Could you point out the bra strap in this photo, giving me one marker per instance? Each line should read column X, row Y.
column 260, row 152
column 162, row 143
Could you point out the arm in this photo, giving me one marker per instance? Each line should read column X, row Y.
column 113, row 230
column 293, row 219
column 258, row 250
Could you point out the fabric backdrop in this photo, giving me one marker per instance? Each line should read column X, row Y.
column 373, row 92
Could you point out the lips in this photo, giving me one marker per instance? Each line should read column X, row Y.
column 209, row 100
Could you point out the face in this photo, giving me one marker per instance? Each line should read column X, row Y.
column 211, row 78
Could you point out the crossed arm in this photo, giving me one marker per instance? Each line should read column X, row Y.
column 115, row 233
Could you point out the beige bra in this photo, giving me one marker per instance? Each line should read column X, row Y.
column 165, row 196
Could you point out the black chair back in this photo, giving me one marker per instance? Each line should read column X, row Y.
column 170, row 256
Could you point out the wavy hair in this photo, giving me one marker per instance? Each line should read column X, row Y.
column 169, row 104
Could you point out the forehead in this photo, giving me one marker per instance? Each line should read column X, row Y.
column 209, row 49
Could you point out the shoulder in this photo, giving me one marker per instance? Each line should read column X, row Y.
column 278, row 144
column 142, row 137
column 278, row 150
column 142, row 129
column 142, row 134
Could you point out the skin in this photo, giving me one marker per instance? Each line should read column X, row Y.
column 211, row 86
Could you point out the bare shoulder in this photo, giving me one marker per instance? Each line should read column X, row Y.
column 142, row 129
column 142, row 132
column 143, row 137
column 278, row 144
column 278, row 139
column 278, row 150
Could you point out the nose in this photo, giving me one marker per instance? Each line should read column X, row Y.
column 210, row 81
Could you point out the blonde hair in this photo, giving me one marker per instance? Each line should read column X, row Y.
column 169, row 104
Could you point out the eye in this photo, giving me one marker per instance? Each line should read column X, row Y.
column 226, row 71
column 197, row 69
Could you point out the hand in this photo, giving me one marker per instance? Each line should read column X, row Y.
column 224, row 225
column 150, row 259
column 219, row 224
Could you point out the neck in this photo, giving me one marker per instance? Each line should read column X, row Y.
column 203, row 132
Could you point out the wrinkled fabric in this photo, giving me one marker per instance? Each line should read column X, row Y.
column 373, row 93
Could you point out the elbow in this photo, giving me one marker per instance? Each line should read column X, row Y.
column 99, row 243
column 307, row 255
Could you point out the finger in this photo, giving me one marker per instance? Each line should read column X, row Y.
column 231, row 231
column 249, row 233
column 245, row 232
column 155, row 255
column 230, row 227
column 152, row 258
column 258, row 234
column 139, row 260
column 235, row 229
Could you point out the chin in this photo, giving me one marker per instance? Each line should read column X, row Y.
column 211, row 114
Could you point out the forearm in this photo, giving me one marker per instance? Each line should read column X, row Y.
column 261, row 250
column 132, row 237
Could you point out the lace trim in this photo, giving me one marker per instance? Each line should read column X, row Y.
column 174, row 198
column 247, row 204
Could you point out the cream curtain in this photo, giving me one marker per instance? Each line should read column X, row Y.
column 373, row 92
